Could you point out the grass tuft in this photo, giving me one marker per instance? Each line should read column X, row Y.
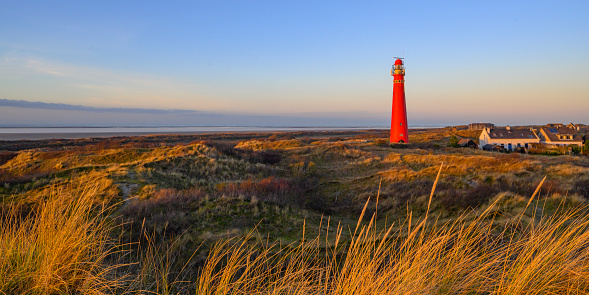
column 58, row 248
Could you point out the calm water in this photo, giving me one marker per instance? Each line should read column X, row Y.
column 83, row 132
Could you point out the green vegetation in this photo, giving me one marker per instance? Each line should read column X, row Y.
column 453, row 141
column 575, row 149
column 280, row 213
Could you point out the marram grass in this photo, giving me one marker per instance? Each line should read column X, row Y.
column 61, row 249
column 58, row 248
column 466, row 256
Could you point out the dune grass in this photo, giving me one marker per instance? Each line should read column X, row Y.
column 57, row 248
column 62, row 248
column 470, row 255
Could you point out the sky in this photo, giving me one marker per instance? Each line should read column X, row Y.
column 505, row 62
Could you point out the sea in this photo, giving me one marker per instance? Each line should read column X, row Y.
column 39, row 133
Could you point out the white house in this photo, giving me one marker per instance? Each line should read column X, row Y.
column 507, row 138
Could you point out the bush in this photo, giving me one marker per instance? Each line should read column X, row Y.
column 581, row 187
column 269, row 157
column 165, row 211
column 453, row 142
column 575, row 149
column 472, row 198
column 403, row 191
column 270, row 189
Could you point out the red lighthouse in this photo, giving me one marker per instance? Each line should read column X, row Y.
column 399, row 115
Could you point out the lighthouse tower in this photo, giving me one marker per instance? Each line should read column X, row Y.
column 399, row 115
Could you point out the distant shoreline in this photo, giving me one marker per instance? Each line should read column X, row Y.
column 40, row 133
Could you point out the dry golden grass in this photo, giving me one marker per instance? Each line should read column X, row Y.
column 425, row 136
column 464, row 256
column 409, row 165
column 469, row 133
column 255, row 144
column 59, row 248
column 103, row 188
column 38, row 162
column 568, row 170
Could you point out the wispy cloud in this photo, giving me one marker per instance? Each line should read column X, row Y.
column 70, row 107
column 27, row 113
column 107, row 86
column 41, row 67
column 80, row 72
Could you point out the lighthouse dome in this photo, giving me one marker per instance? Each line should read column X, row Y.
column 398, row 62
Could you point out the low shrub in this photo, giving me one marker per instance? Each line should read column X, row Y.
column 271, row 189
column 581, row 187
column 269, row 157
column 165, row 211
column 471, row 198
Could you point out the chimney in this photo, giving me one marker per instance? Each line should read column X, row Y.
column 508, row 128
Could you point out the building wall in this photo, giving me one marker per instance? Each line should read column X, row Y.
column 484, row 139
column 515, row 142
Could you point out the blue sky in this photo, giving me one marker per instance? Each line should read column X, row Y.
column 498, row 61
